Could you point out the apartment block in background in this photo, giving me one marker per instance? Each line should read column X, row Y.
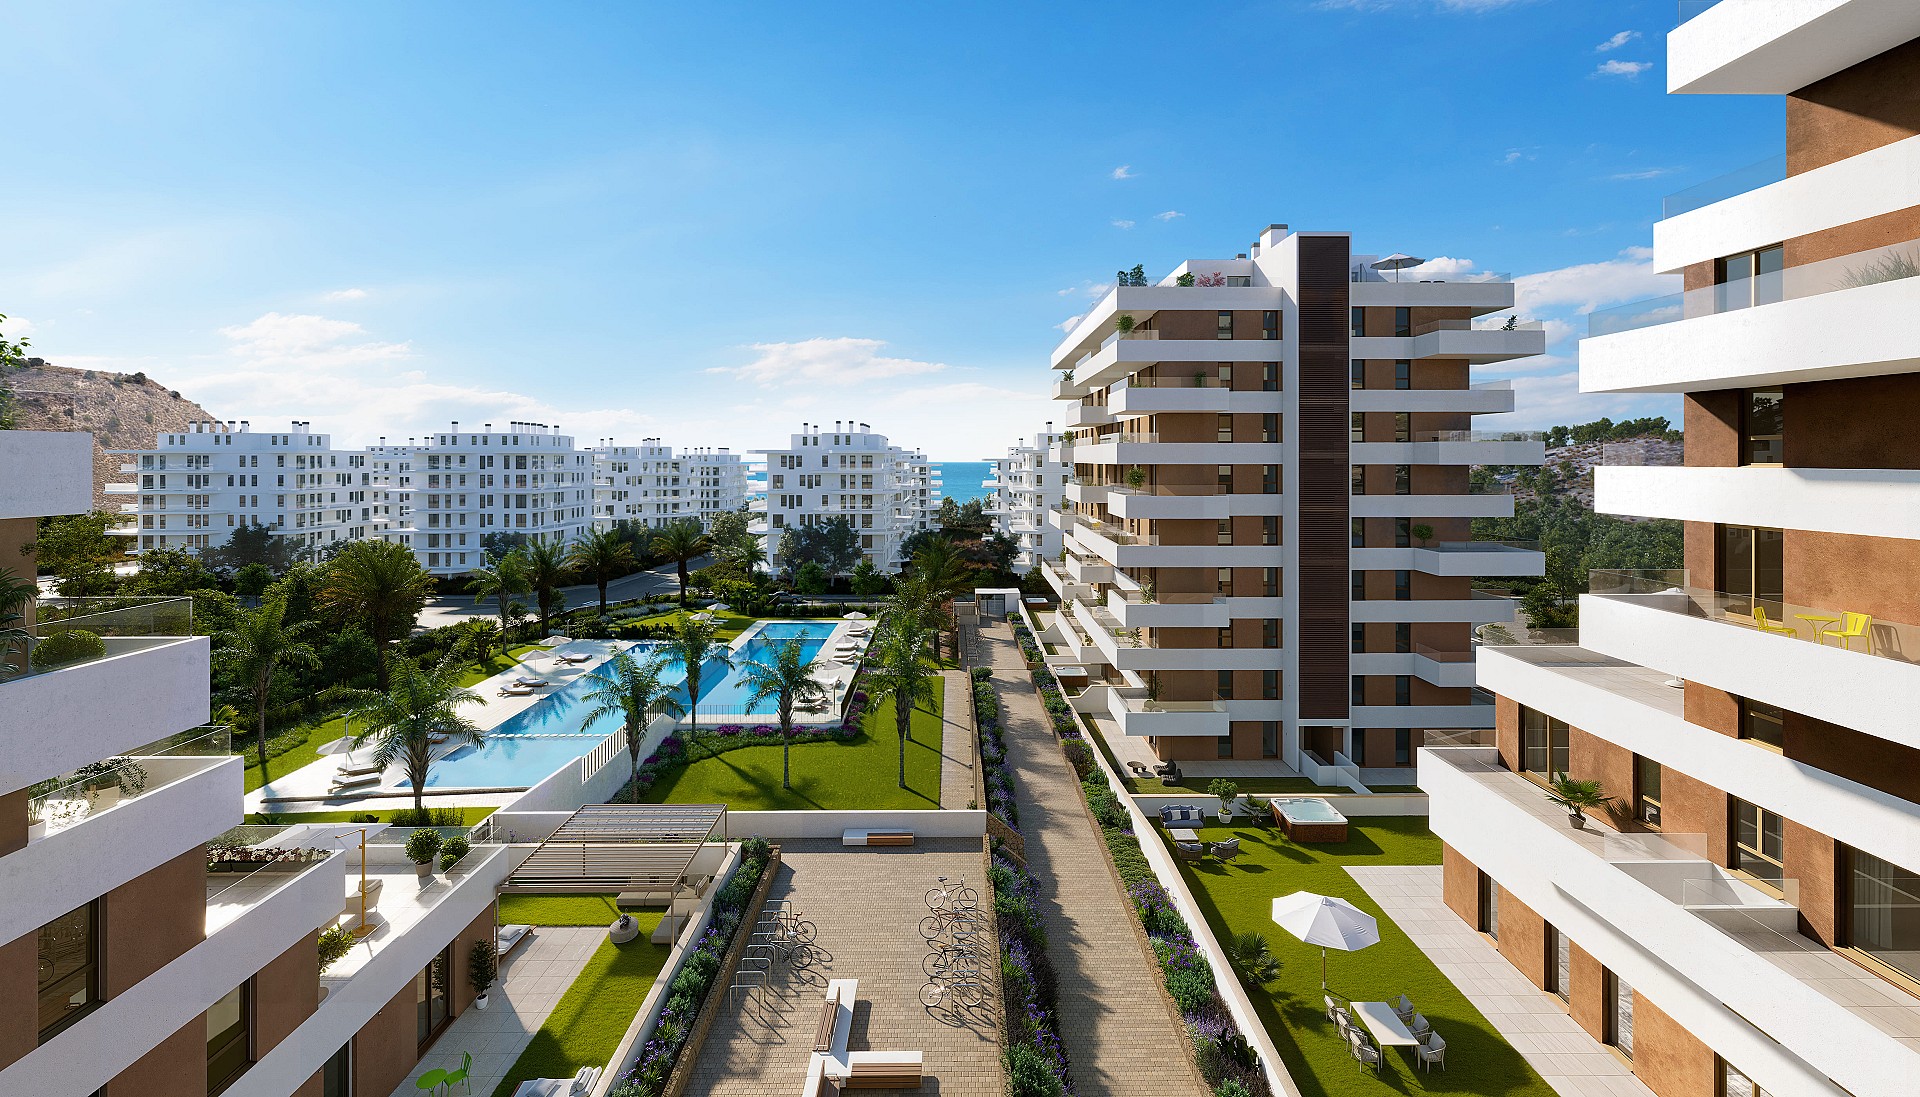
column 650, row 485
column 887, row 492
column 1254, row 442
column 527, row 480
column 1027, row 483
column 1745, row 916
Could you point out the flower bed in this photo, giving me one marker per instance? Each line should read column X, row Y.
column 1028, row 648
column 993, row 755
column 1036, row 1062
column 690, row 988
column 677, row 750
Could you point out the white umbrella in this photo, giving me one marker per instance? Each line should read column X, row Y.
column 856, row 615
column 1325, row 921
column 720, row 607
column 1395, row 261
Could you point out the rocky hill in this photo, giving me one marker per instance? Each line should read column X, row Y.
column 122, row 410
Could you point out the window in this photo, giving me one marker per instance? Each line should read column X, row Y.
column 1735, row 1084
column 1753, row 567
column 1489, row 908
column 1403, row 586
column 1402, row 746
column 1225, row 373
column 1402, row 532
column 430, row 996
column 1223, row 532
column 1403, row 689
column 1403, row 479
column 229, row 1037
column 1223, row 479
column 1403, row 375
column 1559, row 964
column 1620, row 1014
column 1223, row 325
column 1270, row 377
column 1357, row 373
column 1763, row 724
column 1403, row 637
column 1402, row 427
column 1357, row 746
column 1356, row 426
column 1882, row 912
column 1357, row 532
column 1750, row 278
column 1270, row 739
column 1763, row 428
column 1357, row 694
column 1402, row 322
column 1270, row 582
column 1223, row 428
column 1270, row 633
column 1759, row 843
column 1646, row 792
column 69, row 969
column 1270, row 427
column 1357, row 322
column 1269, row 685
column 1223, row 637
column 1270, row 529
column 1358, row 635
column 1359, row 591
column 1270, row 324
column 1223, row 684
column 1223, row 746
column 1545, row 744
column 1223, row 580
column 1357, row 480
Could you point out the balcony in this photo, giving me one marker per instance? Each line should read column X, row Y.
column 1480, row 290
column 1087, row 568
column 1138, row 609
column 1494, row 502
column 1138, row 714
column 47, row 473
column 1155, row 501
column 1798, row 661
column 1200, row 392
column 1456, row 447
column 1777, row 49
column 1454, row 558
column 1457, row 339
column 1862, row 502
column 1141, row 302
column 1719, row 956
column 1486, row 398
column 1479, row 609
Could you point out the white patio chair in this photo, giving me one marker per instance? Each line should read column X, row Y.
column 1363, row 1051
column 1333, row 1008
column 1431, row 1052
column 1403, row 1008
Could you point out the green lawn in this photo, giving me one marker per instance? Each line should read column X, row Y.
column 498, row 663
column 560, row 910
column 1237, row 897
column 861, row 773
column 469, row 816
column 730, row 624
column 585, row 1028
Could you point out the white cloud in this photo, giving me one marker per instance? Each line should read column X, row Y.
column 1551, row 399
column 1124, row 171
column 15, row 328
column 1617, row 67
column 1649, row 173
column 1168, row 215
column 1588, row 286
column 309, row 340
column 350, row 294
column 843, row 361
column 1514, row 156
column 1069, row 323
column 1123, row 224
column 1616, row 41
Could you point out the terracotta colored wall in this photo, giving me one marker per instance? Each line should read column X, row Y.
column 1713, row 709
column 1854, row 110
column 1506, row 731
column 1595, row 759
column 1666, row 1057
column 177, row 1067
column 1857, row 424
column 1812, row 861
column 19, row 1003
column 286, row 992
column 1587, row 996
column 1712, row 422
column 1688, row 806
column 1460, row 885
column 1837, row 572
column 1185, row 748
column 384, row 1050
column 153, row 919
column 481, row 929
column 1523, row 937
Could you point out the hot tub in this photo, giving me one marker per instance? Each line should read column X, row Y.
column 1309, row 819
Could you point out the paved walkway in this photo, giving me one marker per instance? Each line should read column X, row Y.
column 956, row 742
column 1532, row 1020
column 1121, row 1034
column 867, row 905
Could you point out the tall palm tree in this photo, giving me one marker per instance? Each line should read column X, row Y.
column 693, row 643
column 602, row 556
column 789, row 680
column 547, row 571
column 680, row 542
column 749, row 554
column 403, row 720
column 500, row 579
column 381, row 586
column 898, row 672
column 944, row 572
column 632, row 691
column 255, row 649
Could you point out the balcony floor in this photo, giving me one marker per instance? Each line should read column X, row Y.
column 1647, row 686
column 1535, row 1022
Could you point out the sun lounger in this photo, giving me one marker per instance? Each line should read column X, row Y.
column 364, row 780
column 516, row 691
column 359, row 769
column 512, row 935
column 529, row 681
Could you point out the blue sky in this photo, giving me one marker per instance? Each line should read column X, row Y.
column 711, row 222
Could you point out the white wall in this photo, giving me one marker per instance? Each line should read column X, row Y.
column 102, row 708
column 1862, row 502
column 45, row 473
column 930, row 823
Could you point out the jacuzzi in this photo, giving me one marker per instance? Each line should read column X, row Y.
column 1309, row 819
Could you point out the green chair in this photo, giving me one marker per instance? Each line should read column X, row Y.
column 1760, row 621
column 459, row 1077
column 1853, row 626
column 431, row 1080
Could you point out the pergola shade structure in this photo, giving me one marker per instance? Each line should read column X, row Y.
column 629, row 849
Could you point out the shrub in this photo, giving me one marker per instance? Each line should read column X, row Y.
column 422, row 845
column 1029, row 1074
column 1189, row 979
column 335, row 943
column 483, row 965
column 1104, row 804
column 1232, row 1088
column 1080, row 756
column 756, row 850
column 1157, row 912
column 66, row 647
column 454, row 848
column 365, row 817
column 981, row 674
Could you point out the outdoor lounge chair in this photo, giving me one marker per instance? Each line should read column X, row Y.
column 1403, row 1008
column 516, row 690
column 1419, row 1024
column 1227, row 850
column 1180, row 815
column 1363, row 1050
column 529, row 680
column 363, row 780
column 351, row 768
column 1431, row 1052
column 1190, row 851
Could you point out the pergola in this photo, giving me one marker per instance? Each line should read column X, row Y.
column 638, row 851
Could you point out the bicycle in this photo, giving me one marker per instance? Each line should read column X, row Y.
column 953, row 922
column 968, row 992
column 948, row 963
column 944, row 898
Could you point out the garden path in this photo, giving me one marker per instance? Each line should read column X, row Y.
column 958, row 742
column 1120, row 1030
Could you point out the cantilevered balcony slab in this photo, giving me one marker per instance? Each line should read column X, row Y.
column 1133, row 610
column 1489, row 505
column 1481, row 609
column 1781, row 46
column 1453, row 558
column 1478, row 345
column 1141, row 302
column 1467, row 451
column 1138, row 715
column 145, row 689
column 1487, row 399
column 1862, row 502
column 1150, row 503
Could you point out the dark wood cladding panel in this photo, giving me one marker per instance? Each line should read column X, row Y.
column 1323, row 532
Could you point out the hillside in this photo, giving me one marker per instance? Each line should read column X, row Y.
column 123, row 411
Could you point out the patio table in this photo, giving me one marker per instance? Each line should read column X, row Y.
column 1818, row 622
column 1184, row 834
column 1387, row 1029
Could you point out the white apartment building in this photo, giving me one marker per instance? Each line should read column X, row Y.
column 1027, row 483
column 136, row 957
column 887, row 492
column 1744, row 917
column 195, row 487
column 1254, row 441
column 527, row 479
column 650, row 485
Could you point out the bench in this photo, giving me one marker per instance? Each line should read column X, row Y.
column 829, row 1019
column 883, row 1070
column 876, row 837
column 830, row 1038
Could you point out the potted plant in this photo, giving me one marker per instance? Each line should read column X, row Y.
column 1228, row 792
column 422, row 846
column 483, row 967
column 454, row 848
column 1146, row 591
column 1136, row 477
column 1199, row 378
column 1123, row 324
column 335, row 943
column 1184, row 280
column 1422, row 533
column 1578, row 797
column 15, row 592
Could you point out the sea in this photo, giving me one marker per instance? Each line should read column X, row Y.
column 962, row 479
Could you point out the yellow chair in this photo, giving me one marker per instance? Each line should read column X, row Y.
column 1760, row 621
column 1853, row 626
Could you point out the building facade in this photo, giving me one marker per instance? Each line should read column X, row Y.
column 1027, row 483
column 1744, row 916
column 527, row 480
column 139, row 956
column 650, row 485
column 1267, row 542
column 887, row 492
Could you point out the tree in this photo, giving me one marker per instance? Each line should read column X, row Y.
column 500, row 579
column 502, row 541
column 694, row 643
column 632, row 691
column 731, row 531
column 682, row 541
column 833, row 544
column 252, row 543
column 866, row 579
column 403, row 719
column 898, row 672
column 170, row 572
column 381, row 587
column 1251, row 959
column 262, row 642
column 251, row 581
column 788, row 679
column 601, row 556
column 748, row 555
column 943, row 573
column 811, row 578
column 547, row 571
column 12, row 357
column 78, row 549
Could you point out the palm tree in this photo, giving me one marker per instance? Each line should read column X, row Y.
column 603, row 556
column 403, row 720
column 255, row 649
column 15, row 593
column 898, row 672
column 749, row 554
column 682, row 541
column 500, row 579
column 547, row 571
column 789, row 680
column 1248, row 955
column 632, row 691
column 944, row 572
column 693, row 643
column 382, row 586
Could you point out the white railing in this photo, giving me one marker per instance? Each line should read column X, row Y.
column 608, row 749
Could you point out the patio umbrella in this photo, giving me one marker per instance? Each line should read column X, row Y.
column 720, row 607
column 1395, row 261
column 1325, row 921
column 856, row 615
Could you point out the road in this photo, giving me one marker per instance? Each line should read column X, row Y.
column 451, row 610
